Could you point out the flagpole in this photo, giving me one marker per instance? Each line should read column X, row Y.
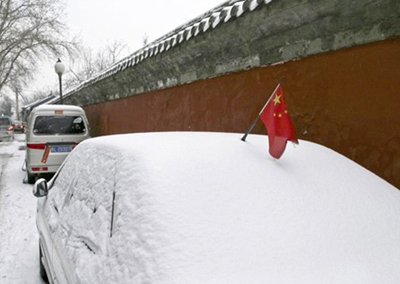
column 269, row 99
column 250, row 128
column 258, row 116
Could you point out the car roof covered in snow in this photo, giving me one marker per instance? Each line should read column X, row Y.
column 195, row 207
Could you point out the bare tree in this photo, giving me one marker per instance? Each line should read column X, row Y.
column 113, row 52
column 6, row 106
column 88, row 64
column 145, row 39
column 30, row 30
column 16, row 88
column 37, row 95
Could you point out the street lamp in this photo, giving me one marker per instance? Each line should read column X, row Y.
column 60, row 68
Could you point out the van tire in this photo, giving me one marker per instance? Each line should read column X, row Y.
column 31, row 178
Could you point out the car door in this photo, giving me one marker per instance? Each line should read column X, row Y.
column 43, row 216
column 79, row 205
column 49, row 222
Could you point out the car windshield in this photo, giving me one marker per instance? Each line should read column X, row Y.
column 4, row 121
column 59, row 125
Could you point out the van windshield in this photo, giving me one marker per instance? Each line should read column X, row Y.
column 59, row 125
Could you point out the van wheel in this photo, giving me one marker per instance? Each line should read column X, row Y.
column 31, row 178
column 43, row 273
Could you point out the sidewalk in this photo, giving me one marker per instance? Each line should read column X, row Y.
column 19, row 263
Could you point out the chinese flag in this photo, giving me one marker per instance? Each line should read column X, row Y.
column 277, row 121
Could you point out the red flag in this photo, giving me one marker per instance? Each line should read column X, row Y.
column 277, row 121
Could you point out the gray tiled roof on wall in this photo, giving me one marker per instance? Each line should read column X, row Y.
column 210, row 20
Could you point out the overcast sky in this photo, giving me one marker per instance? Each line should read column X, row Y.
column 98, row 22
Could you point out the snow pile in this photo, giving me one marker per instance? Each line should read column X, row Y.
column 209, row 208
column 19, row 253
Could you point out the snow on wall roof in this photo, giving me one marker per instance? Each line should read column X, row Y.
column 208, row 21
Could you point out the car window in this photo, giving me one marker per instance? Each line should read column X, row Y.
column 5, row 121
column 53, row 125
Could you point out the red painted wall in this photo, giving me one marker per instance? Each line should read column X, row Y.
column 348, row 100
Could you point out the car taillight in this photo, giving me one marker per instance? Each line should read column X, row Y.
column 38, row 146
column 10, row 128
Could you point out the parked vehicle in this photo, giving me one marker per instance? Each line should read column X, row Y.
column 209, row 208
column 52, row 132
column 6, row 128
column 18, row 126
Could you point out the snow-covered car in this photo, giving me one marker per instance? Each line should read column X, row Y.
column 195, row 207
column 51, row 134
column 6, row 128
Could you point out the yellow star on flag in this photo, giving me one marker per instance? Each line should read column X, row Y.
column 277, row 100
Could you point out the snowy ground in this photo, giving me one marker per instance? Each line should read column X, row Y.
column 19, row 253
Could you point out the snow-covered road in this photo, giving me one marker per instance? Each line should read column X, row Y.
column 19, row 255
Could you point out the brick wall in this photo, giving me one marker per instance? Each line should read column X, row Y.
column 339, row 61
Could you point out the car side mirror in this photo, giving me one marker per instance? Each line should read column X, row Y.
column 40, row 188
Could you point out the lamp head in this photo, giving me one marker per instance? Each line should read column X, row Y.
column 59, row 67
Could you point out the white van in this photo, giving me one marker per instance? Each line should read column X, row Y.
column 51, row 134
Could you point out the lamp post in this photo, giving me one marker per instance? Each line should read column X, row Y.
column 60, row 68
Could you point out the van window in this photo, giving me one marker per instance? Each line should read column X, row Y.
column 5, row 121
column 62, row 125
